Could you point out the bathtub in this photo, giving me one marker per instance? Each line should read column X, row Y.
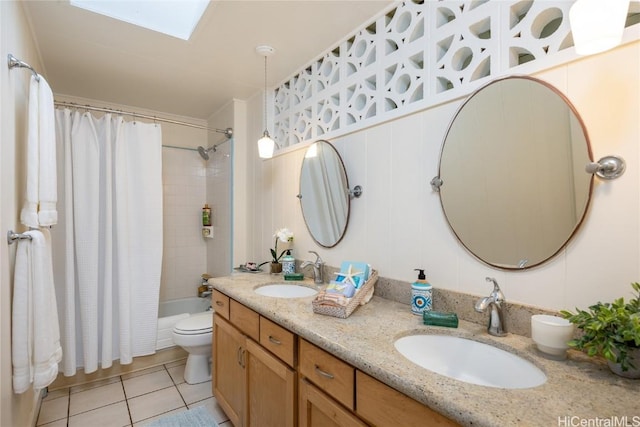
column 172, row 311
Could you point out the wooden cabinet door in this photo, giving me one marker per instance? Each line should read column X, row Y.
column 316, row 409
column 382, row 405
column 229, row 373
column 271, row 390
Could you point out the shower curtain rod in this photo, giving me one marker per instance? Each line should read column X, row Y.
column 228, row 132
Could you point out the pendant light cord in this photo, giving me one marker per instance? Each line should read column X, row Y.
column 265, row 96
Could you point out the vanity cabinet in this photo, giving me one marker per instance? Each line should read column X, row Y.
column 252, row 385
column 264, row 375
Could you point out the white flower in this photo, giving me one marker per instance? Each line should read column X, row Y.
column 284, row 235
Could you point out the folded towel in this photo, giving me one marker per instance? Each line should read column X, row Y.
column 36, row 347
column 331, row 299
column 47, row 352
column 29, row 214
column 48, row 183
column 341, row 288
column 41, row 193
column 22, row 326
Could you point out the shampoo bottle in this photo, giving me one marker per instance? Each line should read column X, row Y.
column 288, row 263
column 420, row 294
column 206, row 216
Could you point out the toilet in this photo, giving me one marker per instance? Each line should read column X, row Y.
column 194, row 334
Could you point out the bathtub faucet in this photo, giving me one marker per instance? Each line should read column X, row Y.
column 205, row 290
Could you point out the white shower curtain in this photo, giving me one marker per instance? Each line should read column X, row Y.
column 108, row 245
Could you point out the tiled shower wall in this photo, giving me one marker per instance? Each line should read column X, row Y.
column 185, row 250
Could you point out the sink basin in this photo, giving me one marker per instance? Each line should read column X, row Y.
column 285, row 290
column 470, row 361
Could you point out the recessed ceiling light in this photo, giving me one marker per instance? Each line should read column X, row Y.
column 171, row 17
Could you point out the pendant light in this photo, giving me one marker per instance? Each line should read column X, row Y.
column 597, row 25
column 266, row 144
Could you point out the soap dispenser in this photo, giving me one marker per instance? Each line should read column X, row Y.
column 420, row 294
column 288, row 263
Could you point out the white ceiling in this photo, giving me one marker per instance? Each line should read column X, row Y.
column 93, row 56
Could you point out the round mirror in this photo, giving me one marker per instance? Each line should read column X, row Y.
column 512, row 169
column 324, row 194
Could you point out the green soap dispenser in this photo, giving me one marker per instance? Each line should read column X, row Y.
column 420, row 294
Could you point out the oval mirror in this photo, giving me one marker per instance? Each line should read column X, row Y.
column 513, row 183
column 324, row 194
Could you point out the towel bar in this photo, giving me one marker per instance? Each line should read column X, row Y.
column 12, row 237
column 13, row 62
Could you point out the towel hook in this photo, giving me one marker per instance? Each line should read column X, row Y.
column 13, row 237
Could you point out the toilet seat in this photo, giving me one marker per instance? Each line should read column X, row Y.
column 197, row 324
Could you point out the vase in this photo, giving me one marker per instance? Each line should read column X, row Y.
column 276, row 267
column 633, row 373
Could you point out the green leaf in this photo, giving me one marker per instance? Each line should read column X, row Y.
column 609, row 329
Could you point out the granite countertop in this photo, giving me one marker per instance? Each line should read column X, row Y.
column 577, row 389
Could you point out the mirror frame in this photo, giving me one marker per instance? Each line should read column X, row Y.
column 589, row 155
column 346, row 191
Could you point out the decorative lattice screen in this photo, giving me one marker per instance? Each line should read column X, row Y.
column 417, row 55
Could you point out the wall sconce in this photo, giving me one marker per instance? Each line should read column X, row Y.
column 266, row 144
column 597, row 25
column 608, row 167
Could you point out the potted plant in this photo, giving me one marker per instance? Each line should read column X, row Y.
column 284, row 235
column 611, row 330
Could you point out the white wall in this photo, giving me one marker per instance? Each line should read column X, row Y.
column 398, row 224
column 15, row 38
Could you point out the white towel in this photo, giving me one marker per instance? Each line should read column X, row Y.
column 22, row 327
column 48, row 182
column 29, row 214
column 36, row 348
column 41, row 194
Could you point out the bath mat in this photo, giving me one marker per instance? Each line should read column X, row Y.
column 196, row 417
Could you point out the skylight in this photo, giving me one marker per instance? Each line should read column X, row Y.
column 177, row 18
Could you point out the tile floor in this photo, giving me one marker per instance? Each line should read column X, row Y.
column 132, row 399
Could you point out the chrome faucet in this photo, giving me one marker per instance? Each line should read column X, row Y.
column 317, row 268
column 495, row 300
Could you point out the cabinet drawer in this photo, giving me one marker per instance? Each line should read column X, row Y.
column 220, row 303
column 329, row 373
column 245, row 319
column 382, row 405
column 277, row 340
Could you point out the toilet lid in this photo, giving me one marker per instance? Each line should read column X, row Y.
column 199, row 323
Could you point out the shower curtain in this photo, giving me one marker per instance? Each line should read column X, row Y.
column 108, row 244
